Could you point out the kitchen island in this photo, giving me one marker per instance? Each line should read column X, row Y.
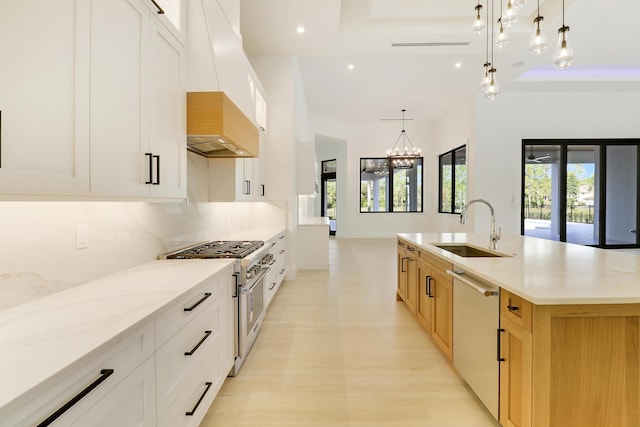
column 569, row 333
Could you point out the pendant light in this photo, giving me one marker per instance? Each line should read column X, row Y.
column 478, row 23
column 403, row 157
column 563, row 56
column 492, row 90
column 486, row 79
column 538, row 42
column 502, row 39
column 518, row 4
column 510, row 16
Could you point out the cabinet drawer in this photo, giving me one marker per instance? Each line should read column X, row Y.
column 202, row 386
column 435, row 261
column 516, row 309
column 179, row 313
column 85, row 382
column 129, row 404
column 198, row 337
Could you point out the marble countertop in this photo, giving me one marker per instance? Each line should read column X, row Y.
column 314, row 220
column 41, row 338
column 545, row 272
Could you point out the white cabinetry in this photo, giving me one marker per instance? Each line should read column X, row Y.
column 44, row 97
column 196, row 352
column 276, row 274
column 94, row 389
column 137, row 103
column 236, row 179
column 306, row 169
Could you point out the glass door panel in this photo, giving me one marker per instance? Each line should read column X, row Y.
column 541, row 191
column 621, row 194
column 581, row 208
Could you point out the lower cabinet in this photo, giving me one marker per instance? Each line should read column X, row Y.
column 129, row 404
column 515, row 374
column 92, row 389
column 165, row 371
column 569, row 365
column 275, row 276
column 407, row 275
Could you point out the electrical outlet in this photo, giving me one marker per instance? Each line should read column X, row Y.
column 82, row 236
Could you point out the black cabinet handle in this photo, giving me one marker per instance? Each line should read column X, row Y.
column 200, row 301
column 104, row 374
column 157, row 181
column 281, row 252
column 500, row 358
column 512, row 308
column 247, row 187
column 235, row 276
column 281, row 271
column 150, row 180
column 160, row 10
column 281, row 237
column 195, row 408
column 193, row 350
column 429, row 294
column 402, row 270
column 273, row 286
column 262, row 185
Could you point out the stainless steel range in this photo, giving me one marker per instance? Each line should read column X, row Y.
column 250, row 269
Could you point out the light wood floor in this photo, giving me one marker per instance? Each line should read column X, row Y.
column 337, row 350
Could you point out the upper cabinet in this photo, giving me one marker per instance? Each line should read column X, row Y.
column 44, row 97
column 106, row 115
column 137, row 103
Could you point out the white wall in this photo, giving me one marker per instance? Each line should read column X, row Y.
column 372, row 140
column 502, row 124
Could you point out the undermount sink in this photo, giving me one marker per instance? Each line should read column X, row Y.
column 467, row 251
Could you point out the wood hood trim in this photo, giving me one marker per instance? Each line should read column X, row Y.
column 213, row 117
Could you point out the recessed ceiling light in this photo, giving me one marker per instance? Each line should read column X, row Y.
column 300, row 29
column 351, row 66
column 458, row 64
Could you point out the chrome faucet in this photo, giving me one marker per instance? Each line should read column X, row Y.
column 493, row 235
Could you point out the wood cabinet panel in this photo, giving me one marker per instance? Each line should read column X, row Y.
column 516, row 309
column 515, row 374
column 442, row 288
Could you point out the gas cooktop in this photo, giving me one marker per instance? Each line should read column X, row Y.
column 218, row 249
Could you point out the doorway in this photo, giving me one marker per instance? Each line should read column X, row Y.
column 582, row 191
column 329, row 198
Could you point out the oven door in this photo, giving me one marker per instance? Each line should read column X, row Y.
column 250, row 315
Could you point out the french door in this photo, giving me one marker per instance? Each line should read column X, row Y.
column 581, row 191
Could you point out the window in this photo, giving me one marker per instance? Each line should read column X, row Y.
column 453, row 180
column 384, row 188
column 581, row 191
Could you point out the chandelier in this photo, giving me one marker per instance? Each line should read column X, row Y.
column 402, row 155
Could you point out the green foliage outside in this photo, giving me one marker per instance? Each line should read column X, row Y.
column 537, row 193
column 461, row 188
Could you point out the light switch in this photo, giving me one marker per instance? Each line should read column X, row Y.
column 82, row 236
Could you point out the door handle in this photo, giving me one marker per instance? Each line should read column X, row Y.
column 500, row 358
column 157, row 181
column 150, row 156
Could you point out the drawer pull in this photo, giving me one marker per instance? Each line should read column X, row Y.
column 195, row 408
column 273, row 286
column 193, row 307
column 281, row 252
column 281, row 271
column 193, row 350
column 160, row 11
column 104, row 374
column 429, row 294
column 500, row 358
column 512, row 308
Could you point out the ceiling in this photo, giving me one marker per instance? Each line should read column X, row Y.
column 423, row 79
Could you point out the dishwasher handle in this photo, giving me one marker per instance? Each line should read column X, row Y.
column 459, row 275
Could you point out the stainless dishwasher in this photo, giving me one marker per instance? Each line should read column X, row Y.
column 476, row 319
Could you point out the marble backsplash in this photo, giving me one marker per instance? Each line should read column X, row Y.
column 38, row 254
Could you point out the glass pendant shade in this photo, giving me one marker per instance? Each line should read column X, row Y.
column 478, row 23
column 502, row 39
column 510, row 16
column 563, row 56
column 538, row 42
column 486, row 80
column 492, row 91
column 518, row 4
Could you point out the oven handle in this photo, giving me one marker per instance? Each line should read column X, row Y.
column 248, row 290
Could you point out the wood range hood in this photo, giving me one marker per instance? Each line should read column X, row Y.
column 217, row 128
